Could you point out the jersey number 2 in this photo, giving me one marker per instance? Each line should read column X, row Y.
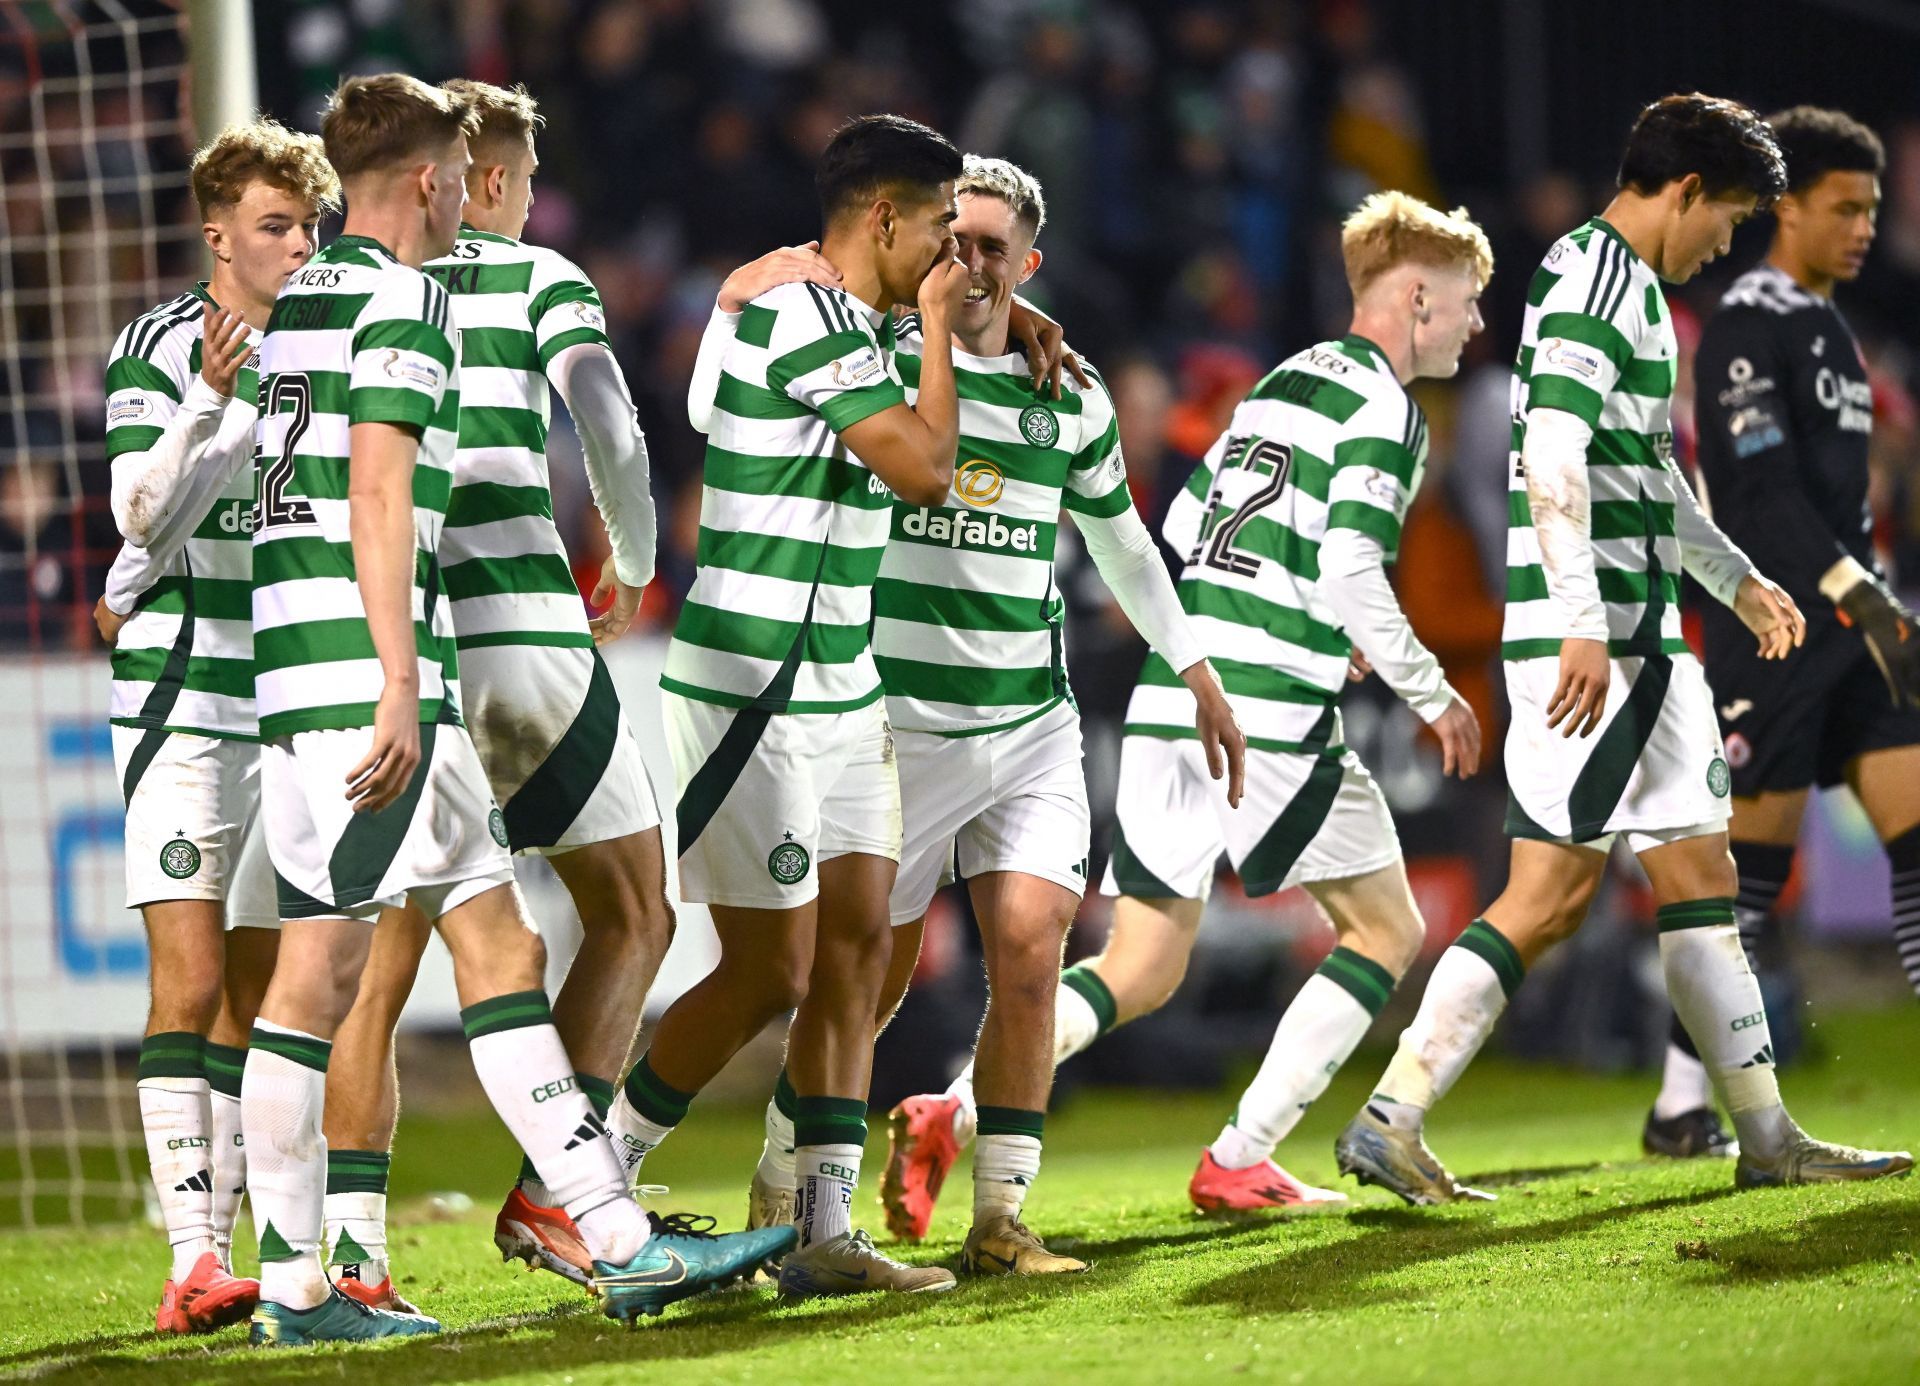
column 276, row 507
column 1218, row 549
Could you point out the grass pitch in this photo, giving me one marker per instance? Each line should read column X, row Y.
column 1594, row 1266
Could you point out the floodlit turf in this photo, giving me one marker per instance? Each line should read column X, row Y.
column 1594, row 1266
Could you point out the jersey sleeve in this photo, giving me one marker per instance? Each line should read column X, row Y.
column 564, row 308
column 1375, row 466
column 1097, row 477
column 402, row 353
column 145, row 382
column 1585, row 338
column 825, row 357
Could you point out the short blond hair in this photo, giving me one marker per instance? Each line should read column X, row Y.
column 507, row 115
column 263, row 151
column 1010, row 183
column 1389, row 229
column 389, row 120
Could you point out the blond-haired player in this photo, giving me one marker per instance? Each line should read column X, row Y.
column 1613, row 733
column 372, row 792
column 1287, row 526
column 181, row 391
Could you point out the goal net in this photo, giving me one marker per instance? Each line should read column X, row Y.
column 95, row 227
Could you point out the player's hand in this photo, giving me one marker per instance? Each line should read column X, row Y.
column 1581, row 695
column 1891, row 633
column 1357, row 666
column 223, row 349
column 395, row 754
column 1221, row 739
column 792, row 264
column 108, row 622
column 621, row 602
column 945, row 287
column 1046, row 343
column 1459, row 733
column 1771, row 614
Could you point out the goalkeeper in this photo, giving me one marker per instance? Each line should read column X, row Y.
column 1786, row 420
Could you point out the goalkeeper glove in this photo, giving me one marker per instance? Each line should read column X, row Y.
column 1892, row 634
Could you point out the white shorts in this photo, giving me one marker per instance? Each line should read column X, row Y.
column 556, row 746
column 1302, row 818
column 439, row 845
column 763, row 798
column 1013, row 800
column 193, row 829
column 1653, row 769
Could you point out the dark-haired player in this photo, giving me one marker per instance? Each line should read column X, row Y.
column 1613, row 732
column 789, row 802
column 1786, row 414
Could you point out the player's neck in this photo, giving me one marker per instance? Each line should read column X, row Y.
column 224, row 289
column 1784, row 258
column 1641, row 223
column 401, row 230
column 1393, row 337
column 995, row 339
column 859, row 274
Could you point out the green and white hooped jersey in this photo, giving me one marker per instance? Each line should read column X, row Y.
column 1329, row 440
column 516, row 306
column 1598, row 343
column 792, row 525
column 355, row 337
column 184, row 659
column 968, row 623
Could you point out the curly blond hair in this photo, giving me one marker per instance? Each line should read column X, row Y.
column 1389, row 229
column 263, row 151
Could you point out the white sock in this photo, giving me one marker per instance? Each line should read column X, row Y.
column 1462, row 1003
column 229, row 1171
column 282, row 1096
column 1716, row 997
column 1685, row 1085
column 1075, row 1026
column 776, row 1152
column 1004, row 1168
column 357, row 1236
column 178, row 1122
column 634, row 1137
column 1318, row 1033
column 825, row 1177
column 529, row 1080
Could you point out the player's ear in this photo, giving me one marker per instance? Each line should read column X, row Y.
column 1031, row 265
column 1690, row 189
column 496, row 183
column 882, row 216
column 216, row 238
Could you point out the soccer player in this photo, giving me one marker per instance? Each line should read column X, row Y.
column 1287, row 524
column 1613, row 732
column 371, row 789
column 789, row 804
column 181, row 388
column 1785, row 416
column 533, row 691
column 968, row 639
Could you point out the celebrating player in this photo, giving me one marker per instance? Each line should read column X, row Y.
column 968, row 638
column 1786, row 417
column 533, row 691
column 372, row 791
column 789, row 804
column 181, row 390
column 1287, row 524
column 1613, row 732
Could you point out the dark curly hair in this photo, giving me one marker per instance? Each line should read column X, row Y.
column 1730, row 147
column 1816, row 141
